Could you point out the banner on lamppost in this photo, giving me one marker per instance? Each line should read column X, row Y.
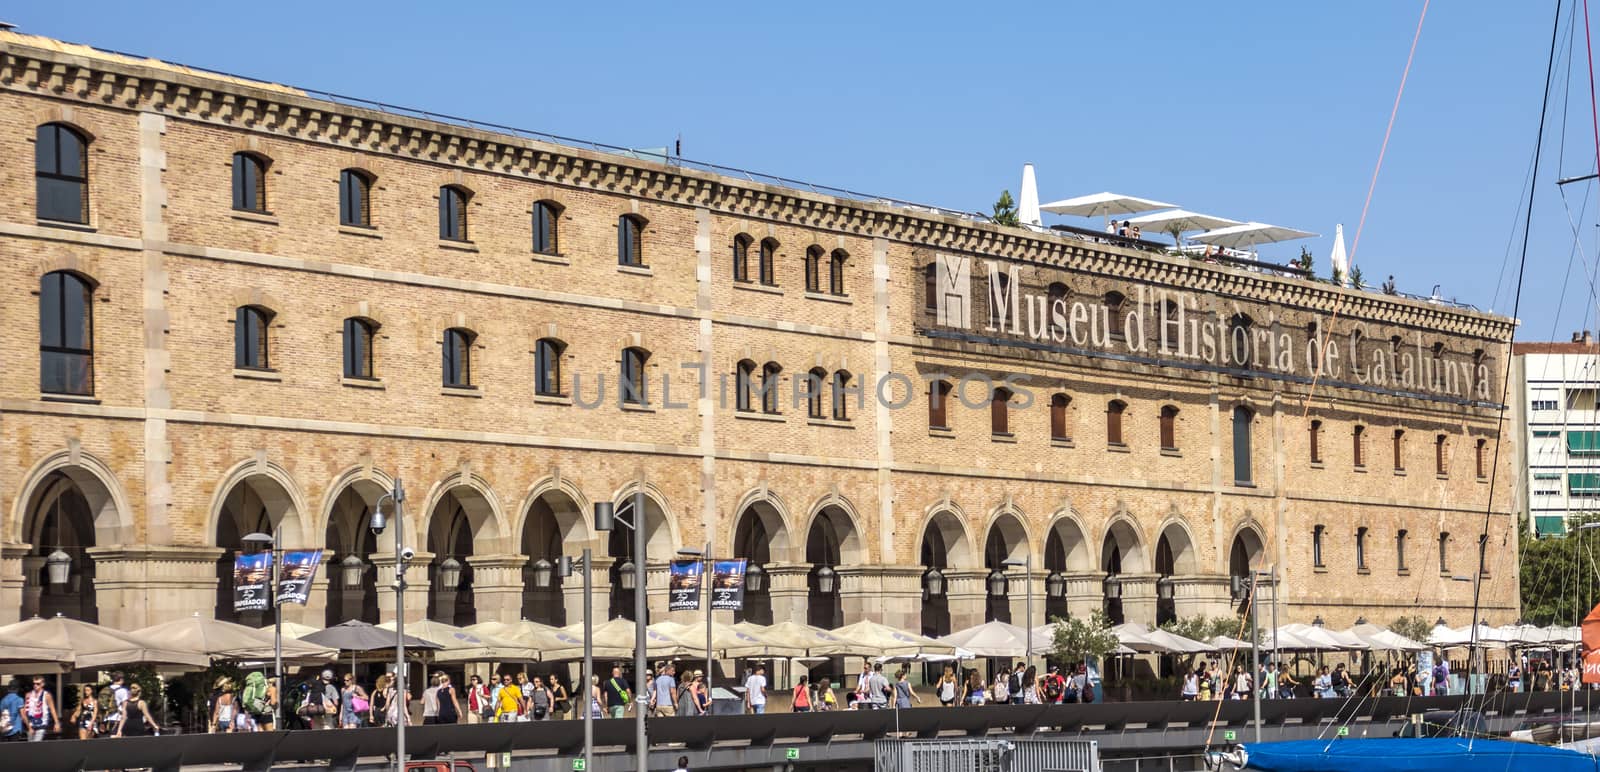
column 727, row 585
column 250, row 575
column 683, row 586
column 295, row 574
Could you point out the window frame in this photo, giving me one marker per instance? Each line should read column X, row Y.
column 1400, row 551
column 1440, row 451
column 767, row 262
column 630, row 241
column 366, row 331
column 355, row 183
column 1000, row 412
column 545, row 222
column 54, row 176
column 837, row 259
column 744, row 386
column 633, row 383
column 1060, row 404
column 1481, row 458
column 1116, row 411
column 939, row 404
column 1361, row 548
column 1444, row 552
column 771, row 375
column 453, row 220
column 248, row 318
column 59, row 350
column 1244, row 446
column 816, row 379
column 455, row 370
column 741, row 258
column 840, row 382
column 813, row 268
column 1358, row 435
column 250, row 195
column 1317, row 532
column 1399, row 450
column 1314, row 440
column 547, row 354
column 1169, row 427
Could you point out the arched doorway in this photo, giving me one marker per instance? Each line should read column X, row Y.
column 1244, row 556
column 1065, row 551
column 944, row 547
column 1174, row 557
column 1120, row 551
column 460, row 518
column 350, row 545
column 619, row 546
column 257, row 504
column 552, row 529
column 1006, row 540
column 760, row 537
column 831, row 537
column 60, row 526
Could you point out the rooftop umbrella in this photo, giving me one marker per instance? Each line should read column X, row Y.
column 1249, row 235
column 225, row 640
column 1104, row 205
column 1179, row 221
column 460, row 645
column 92, row 646
column 1341, row 261
column 873, row 639
column 1028, row 205
column 990, row 639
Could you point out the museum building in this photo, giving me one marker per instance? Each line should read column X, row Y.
column 236, row 307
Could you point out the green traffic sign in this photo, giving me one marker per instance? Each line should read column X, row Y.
column 791, row 753
column 578, row 765
column 1230, row 735
column 1344, row 731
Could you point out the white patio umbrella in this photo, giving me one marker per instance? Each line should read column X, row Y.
column 1180, row 221
column 1250, row 235
column 1228, row 643
column 229, row 641
column 1028, row 199
column 92, row 646
column 1104, row 205
column 1381, row 639
column 1341, row 261
column 990, row 639
column 1321, row 638
column 873, row 638
column 461, row 645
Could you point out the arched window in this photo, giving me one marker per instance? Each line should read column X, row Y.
column 633, row 383
column 1439, row 452
column 66, row 334
column 1058, row 417
column 1114, row 410
column 1169, row 427
column 547, row 366
column 1239, row 345
column 453, row 213
column 744, row 387
column 355, row 198
column 841, row 388
column 1479, row 458
column 546, row 223
column 1243, row 419
column 251, row 338
column 630, row 240
column 1315, row 441
column 1000, row 412
column 1057, row 291
column 1114, row 302
column 1361, row 548
column 249, row 182
column 1357, row 437
column 768, row 262
column 836, row 263
column 1399, row 450
column 1316, row 545
column 815, row 380
column 1400, row 550
column 358, row 335
column 938, row 404
column 61, row 174
column 458, row 357
column 1444, row 552
column 741, row 257
column 770, row 372
column 814, row 268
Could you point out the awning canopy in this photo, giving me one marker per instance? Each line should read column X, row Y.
column 91, row 646
column 1104, row 205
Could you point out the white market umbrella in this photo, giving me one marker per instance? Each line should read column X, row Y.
column 550, row 643
column 1228, row 643
column 990, row 639
column 872, row 638
column 1341, row 261
column 1249, row 235
column 816, row 641
column 1179, row 644
column 1381, row 639
column 1180, row 221
column 1104, row 205
column 1321, row 638
column 461, row 645
column 1028, row 202
column 229, row 641
column 293, row 629
column 92, row 646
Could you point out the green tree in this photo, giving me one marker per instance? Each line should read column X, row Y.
column 1558, row 574
column 1005, row 210
column 1077, row 637
column 1305, row 262
column 1355, row 278
column 1414, row 626
column 1203, row 628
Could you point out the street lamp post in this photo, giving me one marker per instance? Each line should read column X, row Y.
column 1027, row 620
column 402, row 556
column 705, row 581
column 271, row 543
column 604, row 513
column 564, row 570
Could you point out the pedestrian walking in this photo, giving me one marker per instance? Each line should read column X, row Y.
column 479, row 707
column 975, row 692
column 801, row 701
column 430, row 701
column 449, row 701
column 904, row 695
column 826, row 701
column 136, row 720
column 87, row 715
column 222, row 708
column 755, row 690
column 594, row 697
column 11, row 715
column 617, row 693
column 946, row 687
column 40, row 709
column 560, row 701
column 663, row 692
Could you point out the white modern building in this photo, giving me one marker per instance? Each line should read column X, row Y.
column 1554, row 392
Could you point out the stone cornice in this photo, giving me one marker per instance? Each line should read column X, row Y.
column 125, row 83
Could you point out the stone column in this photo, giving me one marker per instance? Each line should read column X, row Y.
column 600, row 581
column 416, row 586
column 11, row 581
column 141, row 586
column 32, row 590
column 1017, row 594
column 1139, row 598
column 497, row 586
column 1199, row 595
column 966, row 591
column 787, row 587
column 657, row 576
column 1086, row 593
column 893, row 596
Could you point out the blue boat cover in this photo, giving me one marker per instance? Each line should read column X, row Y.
column 1413, row 754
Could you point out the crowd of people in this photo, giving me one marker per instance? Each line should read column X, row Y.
column 117, row 710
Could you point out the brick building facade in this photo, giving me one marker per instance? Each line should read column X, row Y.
column 235, row 307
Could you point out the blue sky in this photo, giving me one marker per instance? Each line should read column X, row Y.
column 1268, row 111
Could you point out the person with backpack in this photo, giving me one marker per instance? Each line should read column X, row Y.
column 617, row 693
column 1082, row 686
column 1055, row 687
column 40, row 709
column 320, row 706
column 11, row 715
column 222, row 709
column 87, row 715
column 1017, row 683
column 257, row 700
column 112, row 698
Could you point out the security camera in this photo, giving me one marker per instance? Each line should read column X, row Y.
column 407, row 553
